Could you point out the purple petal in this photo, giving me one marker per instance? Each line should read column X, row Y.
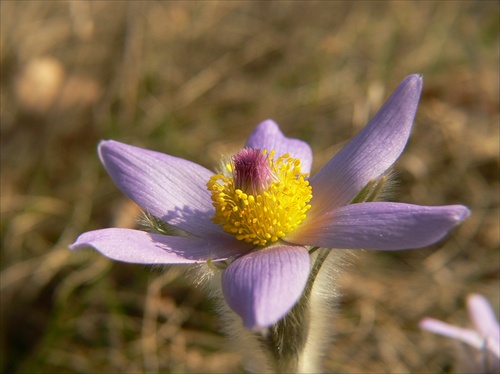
column 379, row 226
column 370, row 153
column 483, row 317
column 267, row 135
column 264, row 285
column 468, row 336
column 168, row 187
column 140, row 247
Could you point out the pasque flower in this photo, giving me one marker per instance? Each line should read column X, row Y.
column 263, row 214
column 485, row 337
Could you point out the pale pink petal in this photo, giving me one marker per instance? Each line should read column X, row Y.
column 468, row 336
column 483, row 317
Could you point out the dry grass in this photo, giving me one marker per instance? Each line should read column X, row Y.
column 192, row 79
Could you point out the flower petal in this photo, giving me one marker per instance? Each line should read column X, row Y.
column 264, row 285
column 370, row 153
column 140, row 247
column 483, row 317
column 379, row 226
column 267, row 135
column 168, row 187
column 468, row 336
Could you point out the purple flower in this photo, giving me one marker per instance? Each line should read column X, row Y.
column 485, row 337
column 263, row 214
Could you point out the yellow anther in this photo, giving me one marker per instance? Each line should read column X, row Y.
column 270, row 214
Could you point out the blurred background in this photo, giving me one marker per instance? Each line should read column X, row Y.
column 193, row 79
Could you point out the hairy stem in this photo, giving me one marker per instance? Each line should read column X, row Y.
column 286, row 340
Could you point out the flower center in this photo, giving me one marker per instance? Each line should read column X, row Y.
column 263, row 198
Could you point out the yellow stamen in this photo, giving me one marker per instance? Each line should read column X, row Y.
column 266, row 216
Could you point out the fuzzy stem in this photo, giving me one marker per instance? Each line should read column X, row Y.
column 286, row 340
column 370, row 192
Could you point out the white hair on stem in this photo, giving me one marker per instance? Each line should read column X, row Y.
column 298, row 342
